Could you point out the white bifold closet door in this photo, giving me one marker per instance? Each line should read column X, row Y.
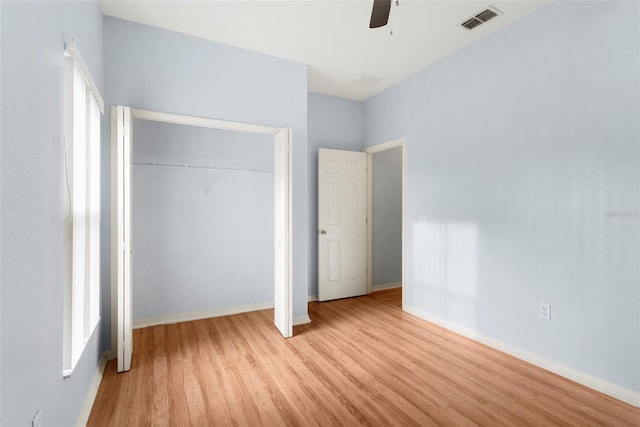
column 282, row 299
column 121, row 249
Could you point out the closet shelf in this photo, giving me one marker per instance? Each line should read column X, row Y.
column 201, row 167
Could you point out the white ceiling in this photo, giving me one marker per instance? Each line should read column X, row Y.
column 332, row 37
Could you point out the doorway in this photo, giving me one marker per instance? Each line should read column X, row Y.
column 121, row 229
column 386, row 216
column 346, row 218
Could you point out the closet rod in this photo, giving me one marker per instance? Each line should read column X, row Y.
column 202, row 167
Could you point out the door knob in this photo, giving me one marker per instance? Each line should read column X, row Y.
column 323, row 232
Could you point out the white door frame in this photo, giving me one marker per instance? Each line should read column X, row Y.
column 224, row 125
column 400, row 142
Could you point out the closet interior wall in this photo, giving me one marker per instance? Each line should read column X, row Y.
column 202, row 219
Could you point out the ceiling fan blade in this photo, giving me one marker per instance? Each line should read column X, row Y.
column 380, row 13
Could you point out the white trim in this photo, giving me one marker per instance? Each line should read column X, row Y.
column 385, row 286
column 71, row 50
column 375, row 288
column 369, row 223
column 85, row 411
column 301, row 320
column 399, row 142
column 180, row 119
column 198, row 315
column 404, row 222
column 126, row 286
column 629, row 396
column 207, row 314
column 289, row 282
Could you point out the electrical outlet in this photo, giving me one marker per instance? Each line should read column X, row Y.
column 37, row 419
column 545, row 311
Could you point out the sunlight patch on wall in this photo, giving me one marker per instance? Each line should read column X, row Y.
column 445, row 268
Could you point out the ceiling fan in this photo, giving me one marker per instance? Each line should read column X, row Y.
column 380, row 13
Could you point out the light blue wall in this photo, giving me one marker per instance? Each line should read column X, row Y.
column 386, row 221
column 203, row 239
column 333, row 123
column 161, row 70
column 33, row 208
column 522, row 185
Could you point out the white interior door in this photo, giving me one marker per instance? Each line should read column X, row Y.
column 121, row 250
column 342, row 224
column 283, row 304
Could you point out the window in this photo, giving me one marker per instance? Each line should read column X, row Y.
column 83, row 109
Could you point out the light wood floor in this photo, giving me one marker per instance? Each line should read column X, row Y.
column 362, row 361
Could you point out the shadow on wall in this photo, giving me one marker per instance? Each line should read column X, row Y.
column 446, row 268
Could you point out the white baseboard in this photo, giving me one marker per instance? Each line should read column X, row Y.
column 374, row 288
column 385, row 286
column 198, row 315
column 85, row 412
column 629, row 396
column 301, row 320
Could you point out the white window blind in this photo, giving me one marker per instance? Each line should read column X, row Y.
column 83, row 108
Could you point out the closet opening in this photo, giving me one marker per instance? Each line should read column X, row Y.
column 201, row 221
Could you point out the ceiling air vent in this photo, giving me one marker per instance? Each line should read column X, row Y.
column 480, row 18
column 486, row 14
column 470, row 24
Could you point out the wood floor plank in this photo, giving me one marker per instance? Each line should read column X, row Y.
column 305, row 398
column 362, row 361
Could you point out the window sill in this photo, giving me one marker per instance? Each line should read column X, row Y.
column 66, row 373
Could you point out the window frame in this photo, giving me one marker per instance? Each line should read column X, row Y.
column 84, row 107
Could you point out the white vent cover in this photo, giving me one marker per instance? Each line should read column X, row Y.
column 481, row 17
